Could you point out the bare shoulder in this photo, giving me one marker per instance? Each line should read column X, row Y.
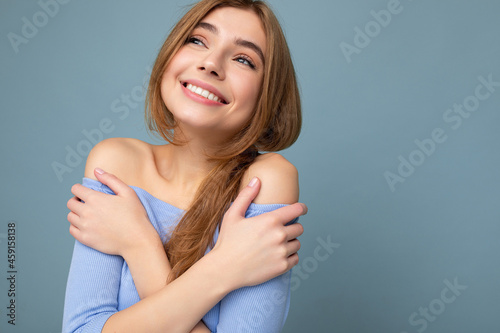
column 279, row 179
column 123, row 157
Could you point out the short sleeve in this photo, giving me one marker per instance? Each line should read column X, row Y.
column 93, row 284
column 258, row 309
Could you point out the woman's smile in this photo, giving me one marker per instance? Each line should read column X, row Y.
column 202, row 89
column 213, row 81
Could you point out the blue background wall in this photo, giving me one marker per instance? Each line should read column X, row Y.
column 403, row 189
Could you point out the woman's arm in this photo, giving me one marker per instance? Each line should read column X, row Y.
column 92, row 288
column 178, row 306
column 191, row 295
column 263, row 308
column 149, row 268
column 259, row 309
column 242, row 252
column 146, row 259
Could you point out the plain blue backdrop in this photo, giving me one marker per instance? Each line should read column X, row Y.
column 398, row 157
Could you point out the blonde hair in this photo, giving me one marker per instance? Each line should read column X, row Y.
column 274, row 125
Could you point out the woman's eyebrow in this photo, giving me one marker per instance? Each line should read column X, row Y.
column 210, row 27
column 238, row 41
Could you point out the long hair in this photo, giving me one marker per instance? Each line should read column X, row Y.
column 274, row 125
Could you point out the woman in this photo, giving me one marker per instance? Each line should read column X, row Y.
column 222, row 88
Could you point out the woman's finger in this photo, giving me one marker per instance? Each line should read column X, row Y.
column 292, row 261
column 75, row 205
column 244, row 198
column 290, row 212
column 293, row 231
column 73, row 218
column 81, row 191
column 75, row 224
column 75, row 232
column 113, row 182
column 292, row 246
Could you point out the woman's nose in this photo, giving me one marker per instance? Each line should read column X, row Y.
column 212, row 65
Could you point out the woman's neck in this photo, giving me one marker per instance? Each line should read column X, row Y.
column 184, row 166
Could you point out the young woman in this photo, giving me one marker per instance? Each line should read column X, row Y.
column 178, row 249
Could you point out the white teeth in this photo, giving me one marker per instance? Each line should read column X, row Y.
column 202, row 92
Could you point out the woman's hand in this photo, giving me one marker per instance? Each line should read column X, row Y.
column 118, row 224
column 112, row 224
column 259, row 248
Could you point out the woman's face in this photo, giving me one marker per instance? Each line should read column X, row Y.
column 212, row 84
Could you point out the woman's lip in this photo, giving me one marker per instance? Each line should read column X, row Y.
column 198, row 98
column 206, row 86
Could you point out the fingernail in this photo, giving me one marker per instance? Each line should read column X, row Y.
column 304, row 207
column 253, row 182
column 99, row 171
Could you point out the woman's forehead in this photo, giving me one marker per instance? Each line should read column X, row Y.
column 236, row 23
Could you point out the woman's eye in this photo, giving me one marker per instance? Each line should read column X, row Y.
column 196, row 41
column 246, row 61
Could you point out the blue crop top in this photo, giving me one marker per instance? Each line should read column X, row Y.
column 100, row 285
